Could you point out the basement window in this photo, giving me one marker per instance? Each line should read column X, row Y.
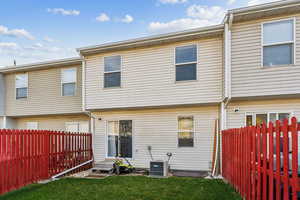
column 278, row 43
column 186, row 131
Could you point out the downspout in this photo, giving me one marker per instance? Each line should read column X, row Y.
column 92, row 118
column 83, row 83
column 88, row 113
column 227, row 45
column 227, row 64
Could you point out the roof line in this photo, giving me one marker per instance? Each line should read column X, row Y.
column 152, row 38
column 65, row 61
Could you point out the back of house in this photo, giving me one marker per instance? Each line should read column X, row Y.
column 43, row 96
column 167, row 94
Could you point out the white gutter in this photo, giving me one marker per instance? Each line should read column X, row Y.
column 46, row 64
column 227, row 40
column 69, row 170
column 83, row 83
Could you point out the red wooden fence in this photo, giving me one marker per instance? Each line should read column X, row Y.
column 27, row 156
column 262, row 162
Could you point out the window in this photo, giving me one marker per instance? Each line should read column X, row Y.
column 278, row 43
column 69, row 77
column 186, row 63
column 32, row 125
column 77, row 127
column 260, row 118
column 185, row 131
column 119, row 138
column 21, row 86
column 112, row 71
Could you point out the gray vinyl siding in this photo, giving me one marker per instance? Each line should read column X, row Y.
column 158, row 128
column 237, row 119
column 249, row 78
column 2, row 96
column 148, row 77
column 44, row 94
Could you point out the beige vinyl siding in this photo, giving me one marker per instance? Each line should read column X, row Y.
column 237, row 119
column 158, row 128
column 1, row 122
column 56, row 122
column 2, row 95
column 249, row 78
column 44, row 94
column 148, row 77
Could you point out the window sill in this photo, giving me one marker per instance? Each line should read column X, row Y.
column 187, row 81
column 108, row 88
column 21, row 98
column 185, row 147
column 277, row 66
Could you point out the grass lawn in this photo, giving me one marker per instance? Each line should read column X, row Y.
column 126, row 188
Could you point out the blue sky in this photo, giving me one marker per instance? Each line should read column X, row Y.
column 34, row 31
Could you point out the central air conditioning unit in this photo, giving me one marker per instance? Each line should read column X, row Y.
column 159, row 168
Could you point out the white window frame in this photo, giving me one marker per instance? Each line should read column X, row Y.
column 177, row 123
column 16, row 97
column 62, row 82
column 120, row 71
column 186, row 63
column 35, row 123
column 291, row 113
column 278, row 43
column 77, row 123
column 107, row 134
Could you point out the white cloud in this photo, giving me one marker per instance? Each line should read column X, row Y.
column 32, row 53
column 198, row 16
column 15, row 33
column 256, row 2
column 172, row 1
column 230, row 2
column 214, row 13
column 103, row 18
column 48, row 39
column 179, row 24
column 127, row 19
column 63, row 11
column 8, row 45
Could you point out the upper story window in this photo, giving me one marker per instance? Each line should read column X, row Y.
column 69, row 77
column 21, row 86
column 186, row 131
column 278, row 43
column 186, row 63
column 112, row 71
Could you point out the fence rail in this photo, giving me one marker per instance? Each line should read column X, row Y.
column 262, row 162
column 27, row 156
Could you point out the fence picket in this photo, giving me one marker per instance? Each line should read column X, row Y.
column 27, row 156
column 261, row 162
